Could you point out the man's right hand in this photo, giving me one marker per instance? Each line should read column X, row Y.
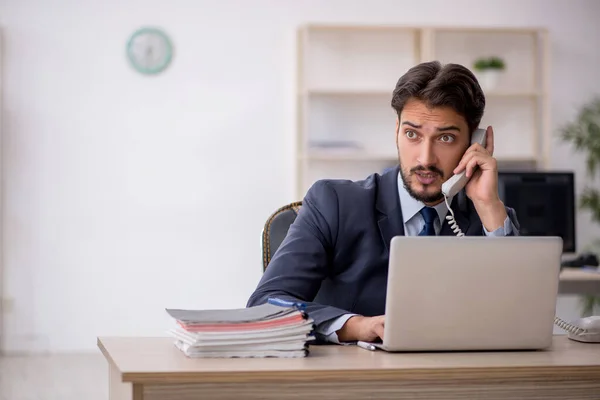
column 368, row 329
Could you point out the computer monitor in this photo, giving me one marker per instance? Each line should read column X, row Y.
column 544, row 202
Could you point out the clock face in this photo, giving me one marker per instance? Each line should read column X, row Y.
column 149, row 50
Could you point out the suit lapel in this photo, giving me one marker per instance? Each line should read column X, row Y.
column 459, row 207
column 390, row 219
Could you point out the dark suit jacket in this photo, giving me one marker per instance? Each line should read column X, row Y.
column 335, row 255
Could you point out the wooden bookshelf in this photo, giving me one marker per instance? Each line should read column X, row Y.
column 347, row 74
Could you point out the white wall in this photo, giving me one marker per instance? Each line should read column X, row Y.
column 125, row 194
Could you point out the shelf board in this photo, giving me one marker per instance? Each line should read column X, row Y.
column 366, row 156
column 512, row 94
column 349, row 92
column 421, row 28
column 512, row 161
column 315, row 27
column 347, row 156
column 487, row 29
column 385, row 92
column 516, row 159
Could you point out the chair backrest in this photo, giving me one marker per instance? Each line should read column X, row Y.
column 276, row 229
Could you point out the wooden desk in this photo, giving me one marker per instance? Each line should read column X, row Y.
column 577, row 281
column 152, row 368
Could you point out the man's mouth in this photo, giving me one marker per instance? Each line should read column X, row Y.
column 426, row 178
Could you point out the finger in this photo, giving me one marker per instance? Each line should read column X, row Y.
column 476, row 147
column 476, row 173
column 471, row 165
column 489, row 140
column 464, row 161
column 484, row 162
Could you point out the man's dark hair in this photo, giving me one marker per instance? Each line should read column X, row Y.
column 449, row 85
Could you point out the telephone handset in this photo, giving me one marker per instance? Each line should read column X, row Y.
column 583, row 330
column 457, row 182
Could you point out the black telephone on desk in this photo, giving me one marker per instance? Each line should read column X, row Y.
column 582, row 260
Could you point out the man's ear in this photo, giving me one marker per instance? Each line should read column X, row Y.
column 397, row 127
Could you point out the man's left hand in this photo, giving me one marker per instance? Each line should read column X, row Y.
column 482, row 188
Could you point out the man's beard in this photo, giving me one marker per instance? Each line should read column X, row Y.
column 425, row 198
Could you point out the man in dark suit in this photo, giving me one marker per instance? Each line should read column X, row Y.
column 335, row 255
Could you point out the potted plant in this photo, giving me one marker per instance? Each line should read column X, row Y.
column 488, row 70
column 583, row 132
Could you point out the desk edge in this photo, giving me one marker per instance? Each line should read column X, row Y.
column 591, row 372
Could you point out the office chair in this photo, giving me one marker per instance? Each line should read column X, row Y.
column 276, row 229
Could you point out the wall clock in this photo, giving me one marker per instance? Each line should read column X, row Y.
column 149, row 50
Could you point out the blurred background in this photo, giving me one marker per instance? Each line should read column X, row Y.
column 140, row 165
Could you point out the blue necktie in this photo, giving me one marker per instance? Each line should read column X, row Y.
column 429, row 215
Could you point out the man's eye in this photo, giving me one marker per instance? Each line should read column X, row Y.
column 447, row 139
column 411, row 134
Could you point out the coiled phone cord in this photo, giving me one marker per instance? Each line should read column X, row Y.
column 575, row 330
column 452, row 221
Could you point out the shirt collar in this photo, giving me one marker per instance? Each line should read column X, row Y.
column 411, row 206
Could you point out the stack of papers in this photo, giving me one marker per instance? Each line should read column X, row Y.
column 267, row 330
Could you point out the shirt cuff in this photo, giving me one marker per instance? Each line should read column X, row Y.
column 328, row 329
column 502, row 231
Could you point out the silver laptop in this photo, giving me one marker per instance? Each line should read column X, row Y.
column 471, row 293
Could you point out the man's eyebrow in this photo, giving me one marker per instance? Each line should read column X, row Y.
column 441, row 129
column 448, row 128
column 411, row 124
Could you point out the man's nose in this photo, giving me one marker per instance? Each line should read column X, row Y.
column 426, row 154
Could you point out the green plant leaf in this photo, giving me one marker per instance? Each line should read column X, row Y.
column 496, row 62
column 591, row 163
column 482, row 64
column 590, row 200
column 588, row 304
column 583, row 132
